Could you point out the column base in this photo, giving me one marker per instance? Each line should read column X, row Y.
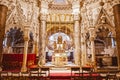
column 23, row 69
column 43, row 62
column 77, row 63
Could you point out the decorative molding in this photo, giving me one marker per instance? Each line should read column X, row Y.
column 43, row 17
column 60, row 7
column 76, row 17
column 103, row 18
column 60, row 18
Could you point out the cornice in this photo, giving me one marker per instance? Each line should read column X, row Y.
column 60, row 7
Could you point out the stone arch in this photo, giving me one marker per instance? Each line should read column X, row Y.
column 15, row 34
column 15, row 40
column 107, row 39
column 12, row 26
column 13, row 37
column 106, row 26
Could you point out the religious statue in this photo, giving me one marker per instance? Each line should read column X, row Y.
column 59, row 39
column 64, row 45
column 55, row 45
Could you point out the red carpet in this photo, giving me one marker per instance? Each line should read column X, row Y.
column 60, row 76
column 65, row 76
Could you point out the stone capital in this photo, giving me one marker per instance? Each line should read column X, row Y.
column 76, row 17
column 5, row 2
column 43, row 17
column 34, row 42
column 26, row 38
column 74, row 2
column 26, row 33
column 92, row 38
column 116, row 3
column 82, row 43
column 4, row 6
column 92, row 32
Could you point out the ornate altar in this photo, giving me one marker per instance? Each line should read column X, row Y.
column 59, row 57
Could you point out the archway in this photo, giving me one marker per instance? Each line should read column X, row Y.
column 14, row 41
column 59, row 48
column 105, row 46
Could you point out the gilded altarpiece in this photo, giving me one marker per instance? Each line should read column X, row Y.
column 59, row 57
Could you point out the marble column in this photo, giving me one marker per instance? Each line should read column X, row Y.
column 43, row 36
column 92, row 48
column 93, row 53
column 3, row 14
column 26, row 39
column 83, row 51
column 92, row 38
column 116, row 10
column 77, row 54
column 35, row 48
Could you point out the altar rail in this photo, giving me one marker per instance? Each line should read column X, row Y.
column 14, row 61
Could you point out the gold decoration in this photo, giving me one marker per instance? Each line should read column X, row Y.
column 55, row 45
column 59, row 39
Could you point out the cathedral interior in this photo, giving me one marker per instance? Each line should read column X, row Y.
column 59, row 33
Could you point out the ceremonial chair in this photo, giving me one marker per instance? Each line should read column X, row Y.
column 34, row 73
column 87, row 73
column 25, row 75
column 45, row 71
column 4, row 75
column 15, row 75
column 75, row 72
column 112, row 75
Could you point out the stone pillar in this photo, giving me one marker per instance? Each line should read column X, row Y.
column 77, row 54
column 116, row 10
column 35, row 48
column 43, row 36
column 92, row 48
column 83, row 51
column 40, row 47
column 92, row 38
column 26, row 39
column 3, row 14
